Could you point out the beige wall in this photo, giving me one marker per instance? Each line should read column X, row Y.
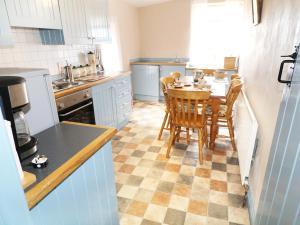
column 259, row 65
column 125, row 17
column 164, row 29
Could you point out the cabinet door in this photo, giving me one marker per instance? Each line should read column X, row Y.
column 123, row 100
column 104, row 104
column 165, row 71
column 97, row 20
column 145, row 80
column 33, row 13
column 73, row 17
column 5, row 31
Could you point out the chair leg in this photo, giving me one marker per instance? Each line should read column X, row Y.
column 178, row 134
column 206, row 136
column 168, row 121
column 188, row 136
column 231, row 133
column 171, row 139
column 200, row 145
column 163, row 126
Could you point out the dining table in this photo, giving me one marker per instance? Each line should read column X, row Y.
column 218, row 89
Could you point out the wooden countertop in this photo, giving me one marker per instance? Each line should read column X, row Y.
column 109, row 76
column 42, row 187
column 159, row 63
column 199, row 68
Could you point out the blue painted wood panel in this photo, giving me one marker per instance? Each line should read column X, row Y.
column 87, row 197
column 104, row 104
column 13, row 206
column 279, row 201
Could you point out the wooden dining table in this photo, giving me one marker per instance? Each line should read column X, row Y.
column 218, row 88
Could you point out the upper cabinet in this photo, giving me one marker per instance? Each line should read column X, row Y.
column 84, row 21
column 97, row 21
column 73, row 17
column 34, row 13
column 5, row 31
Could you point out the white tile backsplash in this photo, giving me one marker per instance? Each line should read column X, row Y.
column 28, row 51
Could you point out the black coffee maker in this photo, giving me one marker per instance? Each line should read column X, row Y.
column 14, row 104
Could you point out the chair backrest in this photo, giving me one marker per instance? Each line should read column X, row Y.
column 235, row 76
column 165, row 81
column 184, row 107
column 175, row 75
column 233, row 93
column 230, row 63
column 208, row 72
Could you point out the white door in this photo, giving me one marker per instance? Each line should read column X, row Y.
column 32, row 13
column 5, row 31
column 279, row 201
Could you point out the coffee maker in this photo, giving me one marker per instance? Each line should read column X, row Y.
column 14, row 104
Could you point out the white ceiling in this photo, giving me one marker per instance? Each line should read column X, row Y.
column 142, row 3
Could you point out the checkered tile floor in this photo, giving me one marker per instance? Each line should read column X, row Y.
column 153, row 190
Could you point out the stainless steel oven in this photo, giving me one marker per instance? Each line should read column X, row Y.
column 76, row 107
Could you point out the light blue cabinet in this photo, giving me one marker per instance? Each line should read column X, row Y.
column 113, row 102
column 165, row 71
column 145, row 80
column 104, row 104
column 87, row 197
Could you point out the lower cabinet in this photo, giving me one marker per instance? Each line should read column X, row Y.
column 88, row 196
column 113, row 102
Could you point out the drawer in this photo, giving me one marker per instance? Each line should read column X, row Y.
column 123, row 82
column 123, row 93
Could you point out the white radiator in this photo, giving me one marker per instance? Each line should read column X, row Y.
column 246, row 127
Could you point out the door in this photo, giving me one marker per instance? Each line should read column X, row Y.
column 36, row 14
column 73, row 17
column 5, row 31
column 279, row 201
column 104, row 104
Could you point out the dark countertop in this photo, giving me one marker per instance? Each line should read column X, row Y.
column 63, row 145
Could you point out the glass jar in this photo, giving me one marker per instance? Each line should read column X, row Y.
column 22, row 129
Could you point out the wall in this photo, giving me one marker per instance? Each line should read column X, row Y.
column 124, row 18
column 164, row 29
column 28, row 50
column 259, row 64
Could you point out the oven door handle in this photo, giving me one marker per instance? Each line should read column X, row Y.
column 75, row 110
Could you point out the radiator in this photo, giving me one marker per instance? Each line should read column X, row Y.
column 246, row 128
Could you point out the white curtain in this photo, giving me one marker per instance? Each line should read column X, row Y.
column 216, row 31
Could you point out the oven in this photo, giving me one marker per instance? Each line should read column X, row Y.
column 76, row 107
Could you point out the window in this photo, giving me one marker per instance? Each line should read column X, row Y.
column 216, row 28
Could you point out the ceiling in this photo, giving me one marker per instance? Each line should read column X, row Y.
column 142, row 3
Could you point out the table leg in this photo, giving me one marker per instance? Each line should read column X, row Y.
column 215, row 107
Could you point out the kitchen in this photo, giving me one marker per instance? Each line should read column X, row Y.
column 91, row 102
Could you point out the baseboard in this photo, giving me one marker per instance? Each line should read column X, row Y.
column 146, row 98
column 250, row 204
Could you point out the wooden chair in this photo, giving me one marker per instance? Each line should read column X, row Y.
column 175, row 75
column 208, row 72
column 184, row 112
column 225, row 113
column 235, row 76
column 165, row 81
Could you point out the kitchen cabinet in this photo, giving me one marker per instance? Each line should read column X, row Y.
column 145, row 80
column 5, row 31
column 113, row 102
column 35, row 14
column 84, row 21
column 104, row 104
column 165, row 71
